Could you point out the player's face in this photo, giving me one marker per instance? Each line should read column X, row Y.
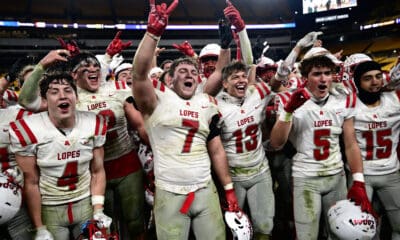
column 88, row 77
column 184, row 82
column 208, row 65
column 372, row 81
column 236, row 84
column 61, row 101
column 167, row 66
column 126, row 76
column 155, row 76
column 319, row 81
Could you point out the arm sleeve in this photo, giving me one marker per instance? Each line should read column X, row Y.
column 132, row 101
column 29, row 96
column 245, row 46
column 214, row 129
column 105, row 61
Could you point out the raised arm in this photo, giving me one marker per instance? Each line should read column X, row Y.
column 287, row 65
column 214, row 82
column 280, row 131
column 142, row 87
column 29, row 96
column 234, row 17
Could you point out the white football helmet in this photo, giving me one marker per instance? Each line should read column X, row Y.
column 320, row 51
column 10, row 198
column 355, row 59
column 91, row 231
column 240, row 225
column 122, row 67
column 348, row 222
column 211, row 49
column 265, row 62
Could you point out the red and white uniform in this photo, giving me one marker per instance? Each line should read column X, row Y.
column 10, row 97
column 7, row 115
column 109, row 101
column 377, row 132
column 315, row 134
column 241, row 131
column 183, row 124
column 63, row 160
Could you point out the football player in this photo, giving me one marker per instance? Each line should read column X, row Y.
column 123, row 168
column 312, row 119
column 60, row 153
column 242, row 107
column 377, row 127
column 183, row 133
column 19, row 226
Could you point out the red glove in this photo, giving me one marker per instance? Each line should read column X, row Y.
column 233, row 15
column 231, row 200
column 72, row 46
column 158, row 17
column 116, row 45
column 185, row 48
column 358, row 194
column 298, row 98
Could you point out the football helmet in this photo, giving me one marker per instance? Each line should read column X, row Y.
column 211, row 49
column 122, row 67
column 265, row 62
column 347, row 221
column 353, row 60
column 240, row 225
column 320, row 51
column 91, row 231
column 10, row 198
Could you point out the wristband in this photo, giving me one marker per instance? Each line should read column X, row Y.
column 99, row 210
column 152, row 36
column 358, row 177
column 97, row 199
column 285, row 116
column 41, row 228
column 281, row 77
column 228, row 186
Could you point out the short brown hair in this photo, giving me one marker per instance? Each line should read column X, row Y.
column 232, row 68
column 58, row 72
column 318, row 61
column 178, row 61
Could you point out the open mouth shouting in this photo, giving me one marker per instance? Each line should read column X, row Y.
column 322, row 87
column 188, row 84
column 241, row 88
column 64, row 107
column 93, row 77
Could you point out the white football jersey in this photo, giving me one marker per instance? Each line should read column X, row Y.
column 109, row 101
column 315, row 134
column 10, row 97
column 7, row 115
column 377, row 131
column 201, row 82
column 178, row 131
column 241, row 131
column 63, row 160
